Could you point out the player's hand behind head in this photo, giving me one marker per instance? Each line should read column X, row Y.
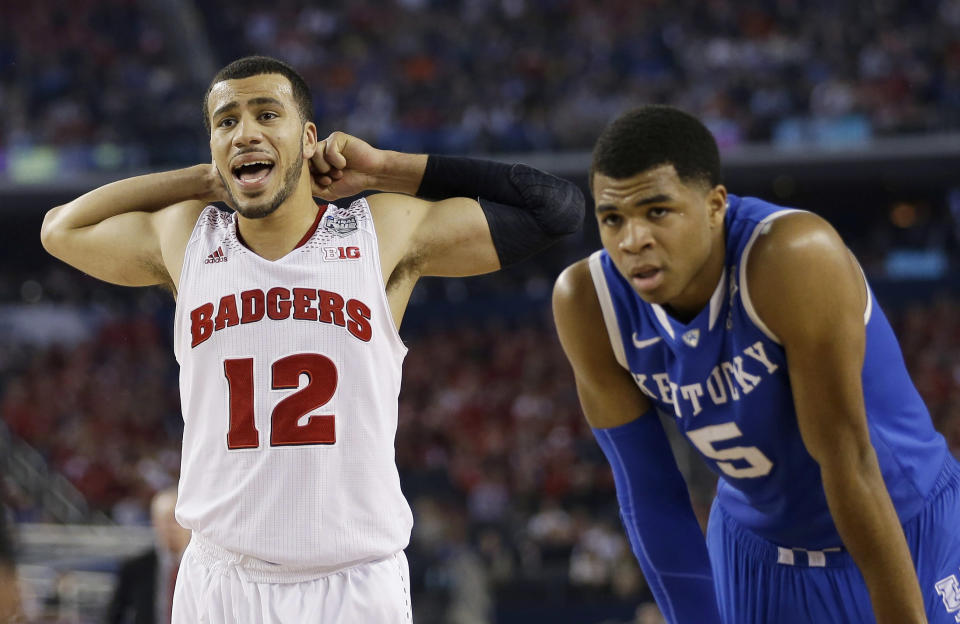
column 216, row 190
column 344, row 165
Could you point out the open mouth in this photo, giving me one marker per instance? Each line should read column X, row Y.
column 253, row 174
column 646, row 278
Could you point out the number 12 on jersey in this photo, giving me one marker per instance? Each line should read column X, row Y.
column 285, row 427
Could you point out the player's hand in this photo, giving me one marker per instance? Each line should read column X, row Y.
column 214, row 189
column 344, row 165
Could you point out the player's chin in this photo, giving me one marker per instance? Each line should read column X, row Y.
column 257, row 210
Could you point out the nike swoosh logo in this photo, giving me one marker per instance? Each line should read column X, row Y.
column 643, row 344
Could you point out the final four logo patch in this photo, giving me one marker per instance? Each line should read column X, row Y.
column 341, row 226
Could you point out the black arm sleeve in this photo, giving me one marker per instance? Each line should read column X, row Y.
column 527, row 210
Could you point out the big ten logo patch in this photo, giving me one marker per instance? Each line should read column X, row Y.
column 341, row 253
column 949, row 590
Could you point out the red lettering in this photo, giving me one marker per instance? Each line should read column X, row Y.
column 253, row 305
column 278, row 303
column 302, row 298
column 353, row 252
column 227, row 315
column 201, row 323
column 359, row 324
column 331, row 308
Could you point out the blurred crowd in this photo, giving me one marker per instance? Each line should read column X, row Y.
column 478, row 75
column 512, row 498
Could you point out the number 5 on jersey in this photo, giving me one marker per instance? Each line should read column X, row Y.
column 285, row 427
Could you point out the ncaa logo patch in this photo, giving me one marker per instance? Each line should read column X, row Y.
column 692, row 338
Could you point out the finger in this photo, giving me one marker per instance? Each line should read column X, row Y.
column 333, row 152
column 318, row 159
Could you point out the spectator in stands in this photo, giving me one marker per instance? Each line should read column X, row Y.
column 144, row 590
column 9, row 588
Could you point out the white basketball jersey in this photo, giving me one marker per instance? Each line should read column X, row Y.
column 289, row 377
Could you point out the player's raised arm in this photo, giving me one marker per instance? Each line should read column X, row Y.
column 132, row 232
column 809, row 291
column 654, row 501
column 489, row 214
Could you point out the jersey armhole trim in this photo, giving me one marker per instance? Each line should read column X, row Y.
column 379, row 271
column 606, row 306
column 758, row 229
column 868, row 309
column 184, row 268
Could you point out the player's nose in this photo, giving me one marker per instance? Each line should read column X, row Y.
column 246, row 132
column 636, row 236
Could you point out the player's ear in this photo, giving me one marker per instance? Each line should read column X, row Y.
column 309, row 139
column 717, row 205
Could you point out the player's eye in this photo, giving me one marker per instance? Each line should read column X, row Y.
column 267, row 116
column 611, row 220
column 226, row 122
column 657, row 212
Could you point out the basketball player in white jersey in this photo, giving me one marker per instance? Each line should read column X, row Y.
column 286, row 334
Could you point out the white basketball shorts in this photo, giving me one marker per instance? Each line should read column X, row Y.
column 216, row 586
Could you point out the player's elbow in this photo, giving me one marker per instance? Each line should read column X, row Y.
column 557, row 205
column 568, row 216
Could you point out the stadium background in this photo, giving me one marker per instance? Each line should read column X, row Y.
column 850, row 109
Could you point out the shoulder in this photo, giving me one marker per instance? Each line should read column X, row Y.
column 577, row 313
column 393, row 206
column 184, row 215
column 575, row 296
column 573, row 279
column 800, row 272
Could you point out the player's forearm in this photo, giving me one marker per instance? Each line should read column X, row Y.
column 400, row 172
column 868, row 524
column 659, row 520
column 146, row 193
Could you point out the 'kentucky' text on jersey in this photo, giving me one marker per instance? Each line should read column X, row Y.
column 723, row 377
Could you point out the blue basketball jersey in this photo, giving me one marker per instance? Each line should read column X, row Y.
column 723, row 378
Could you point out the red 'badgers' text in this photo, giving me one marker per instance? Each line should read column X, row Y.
column 278, row 304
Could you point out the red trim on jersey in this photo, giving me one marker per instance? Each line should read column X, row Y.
column 313, row 228
column 306, row 237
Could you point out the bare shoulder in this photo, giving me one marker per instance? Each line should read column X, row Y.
column 579, row 320
column 608, row 395
column 395, row 217
column 800, row 273
column 174, row 225
column 573, row 292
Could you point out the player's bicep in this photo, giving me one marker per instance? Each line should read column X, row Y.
column 448, row 238
column 123, row 249
column 129, row 249
column 810, row 292
column 608, row 395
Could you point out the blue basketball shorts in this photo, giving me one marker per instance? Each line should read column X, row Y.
column 758, row 582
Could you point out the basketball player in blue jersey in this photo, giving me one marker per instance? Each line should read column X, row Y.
column 752, row 327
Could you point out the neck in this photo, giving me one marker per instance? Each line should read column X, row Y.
column 277, row 234
column 698, row 293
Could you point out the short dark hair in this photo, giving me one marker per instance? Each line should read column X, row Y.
column 654, row 135
column 254, row 66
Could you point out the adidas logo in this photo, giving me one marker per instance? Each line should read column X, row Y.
column 216, row 256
